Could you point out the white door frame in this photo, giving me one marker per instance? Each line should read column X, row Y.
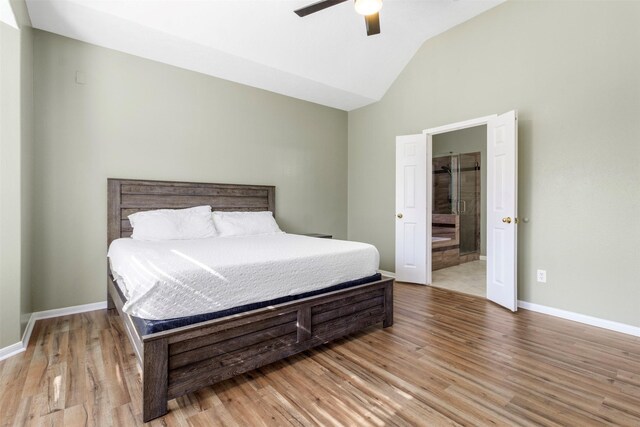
column 435, row 131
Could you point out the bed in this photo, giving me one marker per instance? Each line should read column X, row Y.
column 182, row 358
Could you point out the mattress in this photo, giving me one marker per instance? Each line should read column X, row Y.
column 180, row 278
column 148, row 326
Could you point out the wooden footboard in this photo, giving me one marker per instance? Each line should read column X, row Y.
column 185, row 359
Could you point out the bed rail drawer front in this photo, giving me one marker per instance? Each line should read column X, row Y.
column 231, row 340
column 215, row 369
column 207, row 359
column 327, row 319
column 318, row 310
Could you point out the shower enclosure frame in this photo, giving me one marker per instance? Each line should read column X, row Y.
column 458, row 184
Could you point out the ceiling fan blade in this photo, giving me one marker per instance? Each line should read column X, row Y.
column 316, row 7
column 373, row 24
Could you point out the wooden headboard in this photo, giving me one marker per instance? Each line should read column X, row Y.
column 127, row 196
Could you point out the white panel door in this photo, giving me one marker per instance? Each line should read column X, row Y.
column 412, row 263
column 502, row 207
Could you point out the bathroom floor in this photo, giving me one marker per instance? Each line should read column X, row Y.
column 469, row 278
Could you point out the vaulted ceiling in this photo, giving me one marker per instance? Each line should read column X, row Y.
column 324, row 58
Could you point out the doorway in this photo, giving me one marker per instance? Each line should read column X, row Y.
column 414, row 198
column 458, row 224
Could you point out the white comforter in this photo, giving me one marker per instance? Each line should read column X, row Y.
column 177, row 278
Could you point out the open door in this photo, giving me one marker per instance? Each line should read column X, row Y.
column 502, row 207
column 413, row 262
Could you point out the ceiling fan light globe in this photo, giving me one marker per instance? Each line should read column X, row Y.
column 368, row 7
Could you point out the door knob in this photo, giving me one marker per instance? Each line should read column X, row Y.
column 399, row 215
column 507, row 220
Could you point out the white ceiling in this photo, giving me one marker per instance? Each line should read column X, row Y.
column 325, row 57
column 6, row 14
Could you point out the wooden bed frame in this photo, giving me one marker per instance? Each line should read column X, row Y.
column 185, row 359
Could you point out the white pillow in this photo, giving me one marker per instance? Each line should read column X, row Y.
column 245, row 223
column 173, row 224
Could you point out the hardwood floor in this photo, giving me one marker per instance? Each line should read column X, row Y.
column 449, row 359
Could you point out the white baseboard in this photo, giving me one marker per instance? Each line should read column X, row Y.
column 387, row 273
column 582, row 318
column 21, row 346
column 569, row 315
column 483, row 257
column 11, row 350
column 26, row 336
column 57, row 312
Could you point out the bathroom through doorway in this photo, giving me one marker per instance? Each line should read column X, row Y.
column 458, row 225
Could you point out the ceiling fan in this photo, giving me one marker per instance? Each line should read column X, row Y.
column 368, row 8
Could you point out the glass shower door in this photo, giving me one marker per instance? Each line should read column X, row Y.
column 445, row 185
column 469, row 202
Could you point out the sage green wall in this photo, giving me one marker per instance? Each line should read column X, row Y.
column 572, row 70
column 26, row 161
column 16, row 140
column 9, row 185
column 470, row 140
column 135, row 118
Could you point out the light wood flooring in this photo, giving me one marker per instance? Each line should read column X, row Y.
column 449, row 359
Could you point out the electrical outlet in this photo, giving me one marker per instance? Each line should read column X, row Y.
column 542, row 276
